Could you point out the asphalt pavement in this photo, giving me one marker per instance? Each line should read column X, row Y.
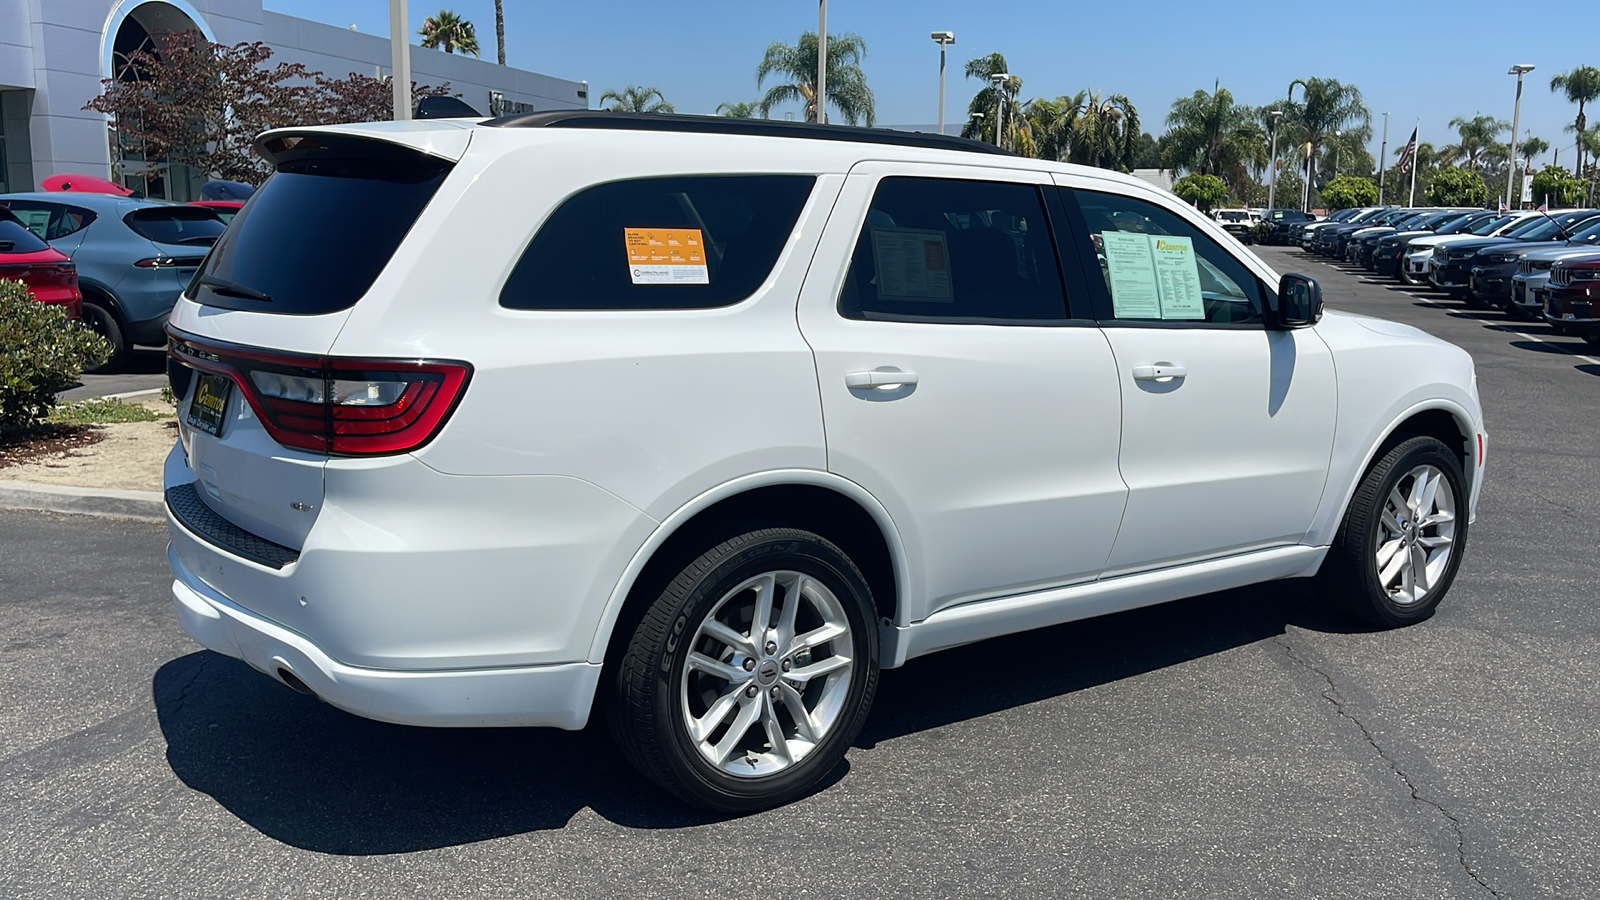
column 1249, row 744
column 145, row 370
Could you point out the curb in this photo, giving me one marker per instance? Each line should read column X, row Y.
column 143, row 506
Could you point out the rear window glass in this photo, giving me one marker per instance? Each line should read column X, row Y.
column 185, row 225
column 317, row 234
column 686, row 242
column 16, row 238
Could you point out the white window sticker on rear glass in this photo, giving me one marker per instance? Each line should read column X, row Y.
column 666, row 256
column 912, row 264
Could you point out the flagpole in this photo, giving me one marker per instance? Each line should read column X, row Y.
column 1416, row 134
column 1381, row 153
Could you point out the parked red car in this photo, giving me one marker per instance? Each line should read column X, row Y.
column 1572, row 298
column 47, row 272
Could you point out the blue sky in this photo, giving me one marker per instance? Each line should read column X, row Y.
column 1423, row 61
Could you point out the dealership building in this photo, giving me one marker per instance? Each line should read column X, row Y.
column 54, row 54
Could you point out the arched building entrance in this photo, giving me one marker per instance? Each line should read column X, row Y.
column 134, row 26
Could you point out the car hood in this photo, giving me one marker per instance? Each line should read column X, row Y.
column 1563, row 251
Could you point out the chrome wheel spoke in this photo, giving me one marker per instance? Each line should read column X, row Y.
column 738, row 642
column 1434, row 543
column 1392, row 570
column 728, row 672
column 1388, row 550
column 1419, row 570
column 757, row 703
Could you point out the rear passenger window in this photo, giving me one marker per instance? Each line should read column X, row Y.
column 50, row 221
column 688, row 242
column 938, row 249
column 1157, row 267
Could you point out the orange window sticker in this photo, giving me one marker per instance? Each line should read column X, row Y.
column 666, row 256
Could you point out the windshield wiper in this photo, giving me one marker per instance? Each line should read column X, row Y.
column 228, row 288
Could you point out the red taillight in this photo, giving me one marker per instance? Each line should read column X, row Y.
column 170, row 262
column 348, row 407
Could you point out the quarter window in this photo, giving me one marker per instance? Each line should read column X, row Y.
column 689, row 242
column 1157, row 267
column 51, row 221
column 938, row 249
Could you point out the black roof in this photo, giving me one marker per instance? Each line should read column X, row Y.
column 622, row 121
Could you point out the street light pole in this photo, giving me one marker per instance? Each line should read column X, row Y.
column 1272, row 161
column 1000, row 80
column 1384, row 149
column 1516, row 113
column 822, row 62
column 400, row 59
column 943, row 38
column 1337, row 146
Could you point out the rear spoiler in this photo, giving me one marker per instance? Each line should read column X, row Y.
column 373, row 140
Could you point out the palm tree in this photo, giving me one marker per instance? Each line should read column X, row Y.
column 1581, row 85
column 1209, row 134
column 1326, row 106
column 1531, row 147
column 796, row 65
column 1049, row 124
column 635, row 99
column 984, row 108
column 739, row 110
column 1479, row 144
column 449, row 32
column 500, row 30
column 1106, row 133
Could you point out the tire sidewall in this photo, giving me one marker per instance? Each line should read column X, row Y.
column 790, row 551
column 104, row 322
column 1429, row 452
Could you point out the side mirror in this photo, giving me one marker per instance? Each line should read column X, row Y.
column 1299, row 302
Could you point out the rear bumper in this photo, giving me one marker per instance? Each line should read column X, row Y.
column 557, row 696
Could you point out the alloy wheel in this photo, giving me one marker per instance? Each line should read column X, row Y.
column 768, row 674
column 1417, row 530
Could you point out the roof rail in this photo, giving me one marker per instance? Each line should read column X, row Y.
column 623, row 121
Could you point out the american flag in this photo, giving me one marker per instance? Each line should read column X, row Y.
column 1408, row 153
column 1502, row 210
column 1544, row 207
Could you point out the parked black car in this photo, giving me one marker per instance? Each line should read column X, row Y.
column 1330, row 241
column 1391, row 248
column 1491, row 270
column 1276, row 223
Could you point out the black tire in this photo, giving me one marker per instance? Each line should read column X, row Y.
column 1558, row 328
column 1469, row 298
column 105, row 323
column 1593, row 337
column 1349, row 576
column 644, row 712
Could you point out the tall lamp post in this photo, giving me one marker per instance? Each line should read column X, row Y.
column 1516, row 113
column 1381, row 151
column 400, row 59
column 822, row 62
column 1272, row 161
column 1000, row 80
column 1338, row 145
column 943, row 39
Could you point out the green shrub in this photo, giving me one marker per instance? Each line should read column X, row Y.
column 1556, row 186
column 1345, row 191
column 41, row 352
column 1458, row 187
column 1203, row 191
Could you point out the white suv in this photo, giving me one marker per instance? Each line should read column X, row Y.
column 706, row 421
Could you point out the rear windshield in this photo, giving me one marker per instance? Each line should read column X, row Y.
column 317, row 234
column 16, row 238
column 189, row 226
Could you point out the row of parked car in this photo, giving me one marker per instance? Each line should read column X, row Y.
column 115, row 260
column 1532, row 264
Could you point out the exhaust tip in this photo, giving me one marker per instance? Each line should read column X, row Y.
column 293, row 681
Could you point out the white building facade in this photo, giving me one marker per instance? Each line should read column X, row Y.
column 54, row 54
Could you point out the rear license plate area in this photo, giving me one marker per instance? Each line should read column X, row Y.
column 210, row 402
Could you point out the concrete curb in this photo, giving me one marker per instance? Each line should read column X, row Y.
column 144, row 506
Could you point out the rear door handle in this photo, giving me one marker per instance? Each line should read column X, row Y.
column 1159, row 372
column 879, row 378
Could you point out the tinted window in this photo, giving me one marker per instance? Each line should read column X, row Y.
column 16, row 238
column 1158, row 267
column 50, row 221
column 319, row 231
column 186, row 225
column 688, row 242
column 942, row 249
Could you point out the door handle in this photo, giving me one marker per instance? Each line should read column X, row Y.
column 879, row 378
column 1159, row 372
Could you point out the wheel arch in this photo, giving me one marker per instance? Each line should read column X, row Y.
column 835, row 507
column 105, row 297
column 1439, row 418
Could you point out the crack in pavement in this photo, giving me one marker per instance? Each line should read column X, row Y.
column 1331, row 694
